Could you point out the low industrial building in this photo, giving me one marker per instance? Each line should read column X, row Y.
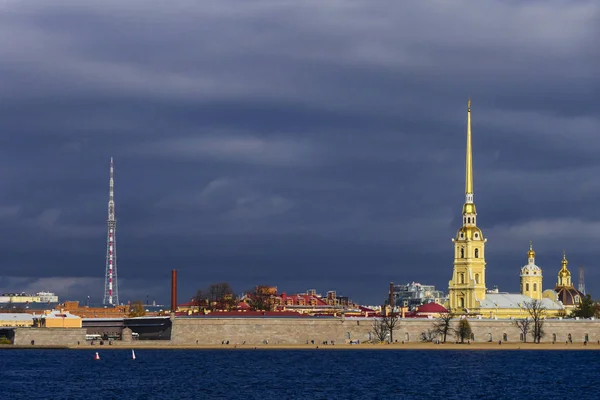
column 16, row 320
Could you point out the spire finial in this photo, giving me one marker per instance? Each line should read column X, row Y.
column 531, row 245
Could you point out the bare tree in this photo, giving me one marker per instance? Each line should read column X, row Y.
column 391, row 321
column 537, row 312
column 429, row 335
column 380, row 329
column 261, row 298
column 443, row 325
column 218, row 296
column 524, row 327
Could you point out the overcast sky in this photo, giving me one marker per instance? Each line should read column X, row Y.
column 302, row 144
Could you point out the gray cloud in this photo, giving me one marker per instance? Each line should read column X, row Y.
column 312, row 144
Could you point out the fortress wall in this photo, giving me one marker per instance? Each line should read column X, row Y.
column 213, row 331
column 49, row 336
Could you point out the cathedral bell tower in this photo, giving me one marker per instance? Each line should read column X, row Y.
column 531, row 277
column 467, row 288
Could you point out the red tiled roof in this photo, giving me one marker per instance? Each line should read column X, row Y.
column 432, row 308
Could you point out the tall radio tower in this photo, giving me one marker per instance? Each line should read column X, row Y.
column 111, row 292
column 581, row 287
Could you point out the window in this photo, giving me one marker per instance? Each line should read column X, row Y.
column 461, row 277
column 505, row 337
column 570, row 338
column 554, row 337
column 576, row 299
column 476, row 235
column 527, row 287
column 535, row 287
column 476, row 278
column 476, row 253
column 461, row 302
column 469, row 220
column 587, row 338
column 462, row 253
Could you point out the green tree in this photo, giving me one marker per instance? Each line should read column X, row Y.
column 587, row 308
column 463, row 332
column 137, row 309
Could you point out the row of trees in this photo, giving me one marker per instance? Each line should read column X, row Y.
column 533, row 324
column 220, row 296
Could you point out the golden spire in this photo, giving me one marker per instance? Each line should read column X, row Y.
column 531, row 253
column 469, row 163
column 469, row 207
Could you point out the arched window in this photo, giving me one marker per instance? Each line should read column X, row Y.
column 554, row 337
column 462, row 277
column 570, row 338
column 406, row 337
column 489, row 337
column 476, row 253
column 535, row 287
column 469, row 220
column 462, row 252
column 527, row 287
column 587, row 338
column 461, row 302
column 505, row 337
column 476, row 278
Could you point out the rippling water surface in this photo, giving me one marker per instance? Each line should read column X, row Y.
column 309, row 374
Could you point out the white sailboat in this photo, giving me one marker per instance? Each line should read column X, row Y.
column 132, row 354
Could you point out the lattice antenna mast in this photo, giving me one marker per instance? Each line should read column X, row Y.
column 581, row 287
column 111, row 292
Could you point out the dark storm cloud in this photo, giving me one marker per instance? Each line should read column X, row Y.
column 312, row 144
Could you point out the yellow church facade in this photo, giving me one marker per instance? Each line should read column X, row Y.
column 467, row 291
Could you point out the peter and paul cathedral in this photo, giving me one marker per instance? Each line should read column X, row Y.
column 467, row 291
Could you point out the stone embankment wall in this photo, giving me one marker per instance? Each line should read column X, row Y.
column 212, row 331
column 49, row 336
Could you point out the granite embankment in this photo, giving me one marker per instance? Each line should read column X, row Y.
column 273, row 332
column 302, row 331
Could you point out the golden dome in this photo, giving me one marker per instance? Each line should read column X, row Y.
column 564, row 272
column 469, row 232
column 530, row 253
column 469, row 208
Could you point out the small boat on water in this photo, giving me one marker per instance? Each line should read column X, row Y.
column 96, row 356
column 132, row 354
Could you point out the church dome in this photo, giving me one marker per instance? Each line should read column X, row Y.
column 569, row 296
column 531, row 268
column 469, row 232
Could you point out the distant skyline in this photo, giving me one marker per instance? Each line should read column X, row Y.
column 298, row 144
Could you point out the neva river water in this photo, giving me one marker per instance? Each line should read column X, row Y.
column 300, row 374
